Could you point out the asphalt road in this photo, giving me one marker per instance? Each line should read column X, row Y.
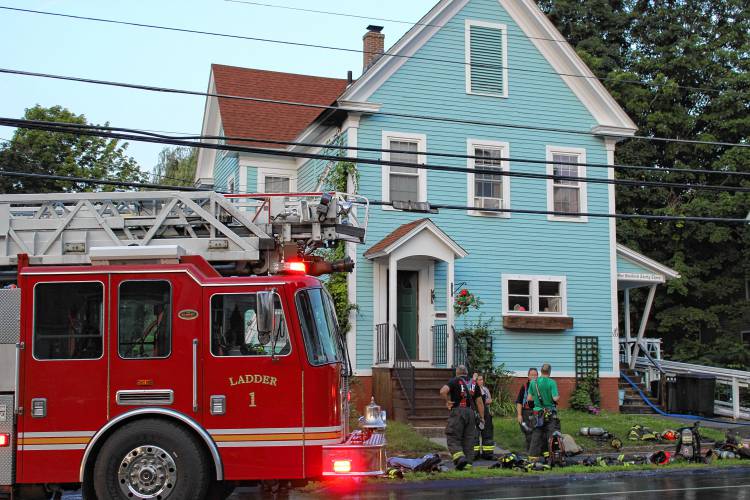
column 693, row 486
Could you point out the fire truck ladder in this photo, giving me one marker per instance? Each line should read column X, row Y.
column 61, row 229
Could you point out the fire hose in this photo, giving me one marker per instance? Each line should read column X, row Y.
column 673, row 415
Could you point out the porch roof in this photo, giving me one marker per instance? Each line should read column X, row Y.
column 406, row 232
column 635, row 270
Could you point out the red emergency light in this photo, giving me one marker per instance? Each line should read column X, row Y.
column 4, row 440
column 297, row 267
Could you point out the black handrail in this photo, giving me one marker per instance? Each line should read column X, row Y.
column 440, row 344
column 382, row 343
column 404, row 370
column 460, row 356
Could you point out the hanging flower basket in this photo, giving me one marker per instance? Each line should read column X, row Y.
column 464, row 301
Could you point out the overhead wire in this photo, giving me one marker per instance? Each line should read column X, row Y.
column 664, row 218
column 335, row 48
column 443, row 119
column 131, row 134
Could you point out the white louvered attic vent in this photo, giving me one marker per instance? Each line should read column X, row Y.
column 487, row 71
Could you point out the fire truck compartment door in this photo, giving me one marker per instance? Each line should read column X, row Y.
column 154, row 344
column 253, row 388
column 64, row 373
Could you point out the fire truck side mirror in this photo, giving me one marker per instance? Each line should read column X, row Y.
column 266, row 313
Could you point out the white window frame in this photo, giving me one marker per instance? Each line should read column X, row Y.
column 467, row 49
column 421, row 140
column 264, row 172
column 504, row 147
column 534, row 291
column 582, row 186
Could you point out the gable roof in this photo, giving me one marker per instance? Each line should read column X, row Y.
column 609, row 116
column 266, row 120
column 407, row 231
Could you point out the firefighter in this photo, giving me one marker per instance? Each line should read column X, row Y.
column 486, row 449
column 543, row 391
column 464, row 401
column 525, row 408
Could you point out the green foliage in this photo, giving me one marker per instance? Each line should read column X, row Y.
column 54, row 153
column 477, row 341
column 403, row 440
column 464, row 301
column 337, row 178
column 176, row 166
column 585, row 395
column 682, row 47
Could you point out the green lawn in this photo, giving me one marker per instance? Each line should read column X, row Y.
column 402, row 439
column 508, row 435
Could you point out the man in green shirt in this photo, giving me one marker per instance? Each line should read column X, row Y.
column 543, row 392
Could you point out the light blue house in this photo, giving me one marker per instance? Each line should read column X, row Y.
column 544, row 279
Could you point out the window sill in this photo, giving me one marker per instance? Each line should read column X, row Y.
column 548, row 323
column 559, row 218
column 482, row 213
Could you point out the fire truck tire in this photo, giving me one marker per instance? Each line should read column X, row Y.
column 152, row 459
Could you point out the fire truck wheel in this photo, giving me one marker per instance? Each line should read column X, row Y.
column 152, row 459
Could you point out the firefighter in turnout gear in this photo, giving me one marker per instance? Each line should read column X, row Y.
column 485, row 449
column 464, row 400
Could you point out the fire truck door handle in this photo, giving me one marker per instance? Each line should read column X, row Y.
column 17, row 379
column 195, row 375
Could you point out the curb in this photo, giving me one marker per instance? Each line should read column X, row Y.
column 430, row 484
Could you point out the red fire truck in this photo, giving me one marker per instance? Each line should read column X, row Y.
column 173, row 345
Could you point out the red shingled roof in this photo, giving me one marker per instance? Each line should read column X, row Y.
column 265, row 120
column 392, row 238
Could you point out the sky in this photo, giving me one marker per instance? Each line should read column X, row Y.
column 45, row 44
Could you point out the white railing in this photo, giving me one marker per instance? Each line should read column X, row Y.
column 733, row 379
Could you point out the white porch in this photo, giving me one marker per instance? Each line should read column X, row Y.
column 413, row 277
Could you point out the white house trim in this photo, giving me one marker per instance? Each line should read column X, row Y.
column 467, row 49
column 504, row 147
column 609, row 144
column 534, row 294
column 430, row 226
column 643, row 261
column 421, row 140
column 582, row 186
column 564, row 60
column 204, row 173
column 610, row 118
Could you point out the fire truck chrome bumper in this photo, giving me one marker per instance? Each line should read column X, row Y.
column 355, row 459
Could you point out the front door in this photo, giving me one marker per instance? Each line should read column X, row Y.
column 407, row 314
column 153, row 346
column 253, row 387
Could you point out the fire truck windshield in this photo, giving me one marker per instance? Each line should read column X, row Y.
column 320, row 327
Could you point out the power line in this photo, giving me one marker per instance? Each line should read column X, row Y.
column 676, row 218
column 444, row 119
column 330, row 47
column 461, row 30
column 81, row 129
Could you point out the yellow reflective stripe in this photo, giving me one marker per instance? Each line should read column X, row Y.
column 458, row 454
column 477, row 448
column 221, row 438
column 54, row 440
column 488, row 448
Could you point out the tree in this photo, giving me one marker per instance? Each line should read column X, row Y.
column 683, row 49
column 176, row 166
column 54, row 153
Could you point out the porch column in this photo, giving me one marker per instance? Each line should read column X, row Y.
column 449, row 311
column 627, row 325
column 644, row 321
column 392, row 307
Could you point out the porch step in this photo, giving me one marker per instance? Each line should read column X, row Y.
column 429, row 422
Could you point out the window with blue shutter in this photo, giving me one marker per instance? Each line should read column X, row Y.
column 486, row 71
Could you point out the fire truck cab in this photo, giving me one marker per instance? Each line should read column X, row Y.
column 148, row 374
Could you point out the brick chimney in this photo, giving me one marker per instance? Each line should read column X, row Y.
column 374, row 46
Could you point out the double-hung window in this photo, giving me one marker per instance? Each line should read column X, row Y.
column 534, row 295
column 486, row 58
column 276, row 184
column 403, row 182
column 566, row 194
column 488, row 191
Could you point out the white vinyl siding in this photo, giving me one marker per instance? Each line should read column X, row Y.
column 535, row 295
column 488, row 191
column 565, row 195
column 486, row 59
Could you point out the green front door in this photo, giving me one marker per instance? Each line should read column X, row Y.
column 407, row 317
